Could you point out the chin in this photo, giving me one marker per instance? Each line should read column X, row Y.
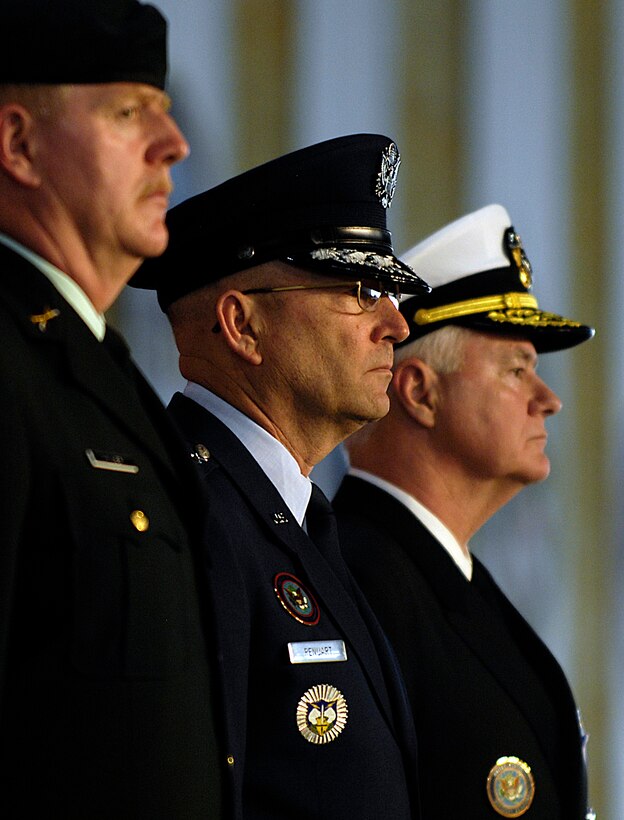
column 376, row 412
column 153, row 245
column 537, row 474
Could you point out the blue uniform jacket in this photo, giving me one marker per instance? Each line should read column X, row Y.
column 368, row 768
column 481, row 683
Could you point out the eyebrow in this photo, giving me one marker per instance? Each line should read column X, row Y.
column 147, row 96
column 529, row 357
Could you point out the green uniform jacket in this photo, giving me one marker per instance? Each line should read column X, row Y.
column 104, row 680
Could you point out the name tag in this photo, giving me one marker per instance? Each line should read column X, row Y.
column 114, row 462
column 317, row 651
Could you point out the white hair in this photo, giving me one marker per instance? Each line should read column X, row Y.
column 443, row 349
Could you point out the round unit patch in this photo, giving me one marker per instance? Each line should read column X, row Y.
column 322, row 713
column 296, row 599
column 510, row 787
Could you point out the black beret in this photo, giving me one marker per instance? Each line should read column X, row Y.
column 322, row 208
column 481, row 279
column 82, row 41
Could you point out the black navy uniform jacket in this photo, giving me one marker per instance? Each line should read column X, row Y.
column 104, row 680
column 369, row 768
column 481, row 683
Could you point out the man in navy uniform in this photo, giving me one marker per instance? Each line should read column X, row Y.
column 496, row 722
column 281, row 287
column 105, row 705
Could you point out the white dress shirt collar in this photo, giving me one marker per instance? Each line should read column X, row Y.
column 279, row 465
column 425, row 516
column 65, row 285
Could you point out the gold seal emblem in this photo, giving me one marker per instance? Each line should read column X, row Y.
column 322, row 713
column 510, row 787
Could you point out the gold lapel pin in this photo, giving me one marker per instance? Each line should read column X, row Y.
column 42, row 319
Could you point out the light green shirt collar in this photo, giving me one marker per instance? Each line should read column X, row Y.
column 65, row 285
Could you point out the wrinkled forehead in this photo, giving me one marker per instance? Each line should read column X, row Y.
column 501, row 346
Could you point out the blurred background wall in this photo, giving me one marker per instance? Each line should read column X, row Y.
column 520, row 103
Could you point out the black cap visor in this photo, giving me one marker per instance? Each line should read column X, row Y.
column 548, row 332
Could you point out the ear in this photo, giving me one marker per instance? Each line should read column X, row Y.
column 16, row 144
column 234, row 316
column 416, row 385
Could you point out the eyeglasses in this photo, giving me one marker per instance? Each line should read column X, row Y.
column 368, row 298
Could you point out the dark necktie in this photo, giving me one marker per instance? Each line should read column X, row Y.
column 322, row 529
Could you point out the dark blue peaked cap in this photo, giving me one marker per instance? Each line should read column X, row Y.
column 322, row 208
column 82, row 41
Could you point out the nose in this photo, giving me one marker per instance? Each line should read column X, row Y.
column 168, row 145
column 545, row 401
column 390, row 322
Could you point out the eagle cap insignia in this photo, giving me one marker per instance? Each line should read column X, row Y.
column 515, row 251
column 387, row 177
column 510, row 787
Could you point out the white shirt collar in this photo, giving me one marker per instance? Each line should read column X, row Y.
column 425, row 516
column 279, row 465
column 65, row 285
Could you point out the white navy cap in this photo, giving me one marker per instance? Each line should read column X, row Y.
column 481, row 278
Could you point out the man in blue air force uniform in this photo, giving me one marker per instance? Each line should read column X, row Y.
column 496, row 722
column 281, row 286
column 105, row 707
